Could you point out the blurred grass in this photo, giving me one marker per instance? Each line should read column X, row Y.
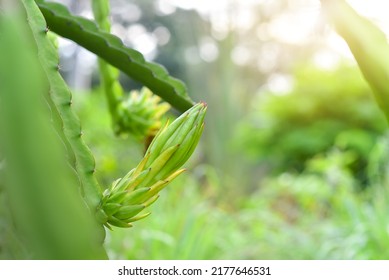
column 291, row 217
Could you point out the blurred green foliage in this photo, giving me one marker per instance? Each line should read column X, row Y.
column 325, row 108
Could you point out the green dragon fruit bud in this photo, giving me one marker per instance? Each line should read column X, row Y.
column 127, row 197
column 140, row 114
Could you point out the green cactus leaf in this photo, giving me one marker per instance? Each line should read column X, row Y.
column 108, row 74
column 49, row 217
column 62, row 99
column 111, row 49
